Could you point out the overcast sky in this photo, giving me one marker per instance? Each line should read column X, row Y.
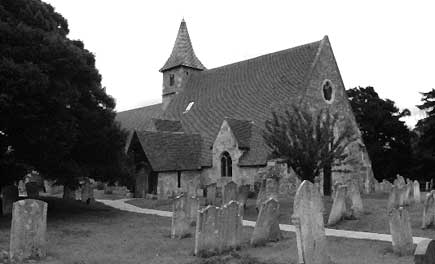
column 385, row 44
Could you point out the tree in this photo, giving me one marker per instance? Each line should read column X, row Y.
column 425, row 130
column 54, row 115
column 309, row 142
column 387, row 138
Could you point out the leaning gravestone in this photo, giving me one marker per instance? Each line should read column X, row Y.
column 28, row 230
column 428, row 211
column 32, row 189
column 308, row 220
column 425, row 252
column 401, row 233
column 338, row 210
column 9, row 197
column 229, row 192
column 416, row 191
column 267, row 224
column 243, row 194
column 355, row 196
column 207, row 233
column 211, row 194
column 180, row 218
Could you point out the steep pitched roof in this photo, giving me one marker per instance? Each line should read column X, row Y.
column 167, row 125
column 182, row 53
column 170, row 151
column 139, row 118
column 246, row 90
column 241, row 130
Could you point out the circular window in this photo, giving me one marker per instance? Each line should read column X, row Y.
column 328, row 91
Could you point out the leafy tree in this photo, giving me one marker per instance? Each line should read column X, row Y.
column 425, row 129
column 54, row 115
column 387, row 138
column 309, row 142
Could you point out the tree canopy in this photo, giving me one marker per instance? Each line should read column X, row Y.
column 55, row 116
column 309, row 142
column 387, row 138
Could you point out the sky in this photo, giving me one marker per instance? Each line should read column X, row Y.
column 385, row 44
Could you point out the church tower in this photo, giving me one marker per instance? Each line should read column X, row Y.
column 180, row 64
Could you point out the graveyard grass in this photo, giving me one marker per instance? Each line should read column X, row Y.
column 82, row 234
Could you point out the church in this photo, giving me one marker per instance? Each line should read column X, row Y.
column 208, row 128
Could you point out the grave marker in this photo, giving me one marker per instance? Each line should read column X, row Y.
column 401, row 234
column 180, row 218
column 417, row 195
column 211, row 194
column 425, row 252
column 429, row 211
column 267, row 225
column 338, row 209
column 229, row 192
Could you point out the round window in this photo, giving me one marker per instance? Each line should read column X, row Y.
column 328, row 91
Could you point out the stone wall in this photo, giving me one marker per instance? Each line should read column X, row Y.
column 326, row 69
column 181, row 74
column 167, row 185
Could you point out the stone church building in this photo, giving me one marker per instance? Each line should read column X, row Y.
column 208, row 128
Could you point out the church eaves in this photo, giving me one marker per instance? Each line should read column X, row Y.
column 182, row 53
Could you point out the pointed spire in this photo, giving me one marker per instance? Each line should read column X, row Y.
column 182, row 53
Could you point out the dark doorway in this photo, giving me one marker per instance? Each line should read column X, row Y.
column 152, row 183
column 327, row 180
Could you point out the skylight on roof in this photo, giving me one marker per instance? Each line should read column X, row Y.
column 189, row 106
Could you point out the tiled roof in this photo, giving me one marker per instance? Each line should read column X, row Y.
column 182, row 53
column 241, row 130
column 139, row 118
column 167, row 125
column 170, row 151
column 246, row 90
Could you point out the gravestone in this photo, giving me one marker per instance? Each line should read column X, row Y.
column 393, row 198
column 243, row 194
column 211, row 194
column 87, row 193
column 229, row 192
column 180, row 218
column 338, row 210
column 377, row 187
column 28, row 230
column 270, row 189
column 207, row 232
column 388, row 186
column 308, row 220
column 428, row 211
column 401, row 233
column 69, row 193
column 416, row 191
column 230, row 226
column 408, row 193
column 425, row 252
column 32, row 189
column 427, row 186
column 402, row 195
column 355, row 196
column 192, row 204
column 267, row 225
column 9, row 197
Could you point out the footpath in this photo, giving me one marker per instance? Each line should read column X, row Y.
column 122, row 205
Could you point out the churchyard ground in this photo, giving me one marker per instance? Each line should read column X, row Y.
column 82, row 234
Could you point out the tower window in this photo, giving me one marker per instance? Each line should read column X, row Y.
column 178, row 179
column 171, row 79
column 327, row 91
column 226, row 165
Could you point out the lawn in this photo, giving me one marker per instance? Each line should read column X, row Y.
column 81, row 234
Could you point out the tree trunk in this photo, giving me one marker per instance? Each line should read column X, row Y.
column 69, row 193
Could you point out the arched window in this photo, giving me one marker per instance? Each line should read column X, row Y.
column 328, row 91
column 226, row 165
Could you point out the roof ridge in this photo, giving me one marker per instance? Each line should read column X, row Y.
column 167, row 132
column 138, row 108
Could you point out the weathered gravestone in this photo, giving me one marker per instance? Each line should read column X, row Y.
column 229, row 192
column 9, row 197
column 211, row 194
column 230, row 226
column 270, row 189
column 69, row 193
column 308, row 220
column 28, row 230
column 87, row 193
column 355, row 196
column 180, row 218
column 267, row 224
column 338, row 210
column 192, row 204
column 402, row 195
column 401, row 233
column 243, row 194
column 416, row 192
column 377, row 187
column 207, row 233
column 32, row 189
column 425, row 252
column 388, row 186
column 429, row 211
column 393, row 198
column 408, row 193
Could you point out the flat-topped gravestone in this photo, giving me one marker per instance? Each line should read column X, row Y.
column 211, row 194
column 180, row 218
column 243, row 194
column 207, row 233
column 267, row 224
column 428, row 211
column 308, row 220
column 9, row 197
column 425, row 252
column 355, row 196
column 338, row 210
column 416, row 191
column 401, row 233
column 28, row 230
column 229, row 192
column 32, row 189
